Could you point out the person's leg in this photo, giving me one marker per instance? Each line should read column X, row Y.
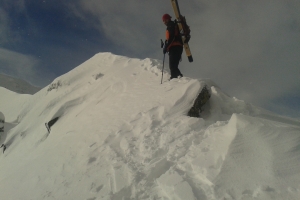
column 174, row 59
column 172, row 62
column 179, row 50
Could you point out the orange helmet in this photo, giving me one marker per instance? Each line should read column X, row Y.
column 166, row 16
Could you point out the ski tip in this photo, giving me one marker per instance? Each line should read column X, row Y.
column 190, row 58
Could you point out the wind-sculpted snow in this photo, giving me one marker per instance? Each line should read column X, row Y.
column 123, row 135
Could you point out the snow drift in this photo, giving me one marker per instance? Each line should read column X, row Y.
column 123, row 135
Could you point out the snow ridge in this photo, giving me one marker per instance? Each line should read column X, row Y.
column 123, row 135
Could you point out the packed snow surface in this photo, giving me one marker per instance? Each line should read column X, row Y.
column 123, row 135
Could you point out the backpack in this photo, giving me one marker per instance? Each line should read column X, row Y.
column 185, row 28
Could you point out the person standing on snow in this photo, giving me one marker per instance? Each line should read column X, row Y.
column 173, row 45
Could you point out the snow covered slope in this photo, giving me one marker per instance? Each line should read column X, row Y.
column 17, row 85
column 123, row 135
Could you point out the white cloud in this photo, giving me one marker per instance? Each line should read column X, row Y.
column 14, row 61
column 7, row 35
column 22, row 66
column 134, row 26
column 250, row 48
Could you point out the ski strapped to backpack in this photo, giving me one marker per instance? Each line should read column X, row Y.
column 185, row 32
column 183, row 28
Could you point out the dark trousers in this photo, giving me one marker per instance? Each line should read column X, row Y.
column 174, row 58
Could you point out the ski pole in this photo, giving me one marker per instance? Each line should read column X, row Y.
column 163, row 44
column 162, row 71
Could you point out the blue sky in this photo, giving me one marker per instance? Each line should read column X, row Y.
column 48, row 32
column 248, row 48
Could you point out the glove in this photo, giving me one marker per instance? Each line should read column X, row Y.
column 164, row 50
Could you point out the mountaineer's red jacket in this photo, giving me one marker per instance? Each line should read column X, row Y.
column 172, row 35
